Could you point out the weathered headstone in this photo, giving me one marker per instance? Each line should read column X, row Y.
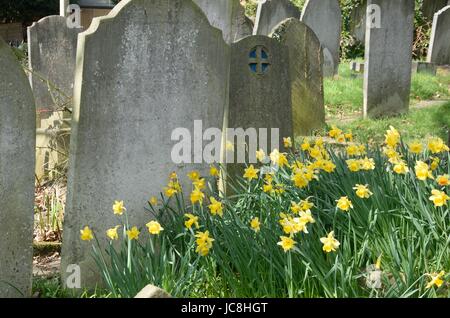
column 52, row 47
column 430, row 7
column 273, row 12
column 324, row 18
column 259, row 93
column 17, row 142
column 358, row 21
column 439, row 51
column 305, row 69
column 228, row 16
column 146, row 69
column 424, row 68
column 387, row 78
column 357, row 67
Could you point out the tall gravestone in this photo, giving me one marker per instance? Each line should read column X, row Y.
column 260, row 92
column 17, row 142
column 52, row 47
column 324, row 18
column 146, row 69
column 388, row 56
column 439, row 50
column 273, row 12
column 228, row 16
column 430, row 7
column 305, row 69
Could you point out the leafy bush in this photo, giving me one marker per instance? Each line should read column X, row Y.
column 335, row 220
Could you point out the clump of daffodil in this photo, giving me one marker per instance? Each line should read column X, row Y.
column 437, row 145
column 86, row 234
column 173, row 187
column 439, row 198
column 133, row 234
column 434, row 163
column 154, row 227
column 118, row 207
column 293, row 225
column 204, row 243
column 216, row 207
column 194, row 175
column 436, row 279
column 287, row 142
column 334, row 132
column 443, row 180
column 286, row 243
column 153, row 201
column 367, row 164
column 191, row 220
column 112, row 233
column 423, row 171
column 251, row 173
column 260, row 155
column 330, row 244
column 353, row 165
column 255, row 224
column 344, row 204
column 362, row 191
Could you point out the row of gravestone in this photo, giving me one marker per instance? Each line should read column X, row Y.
column 149, row 68
column 141, row 72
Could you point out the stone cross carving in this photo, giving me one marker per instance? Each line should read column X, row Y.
column 259, row 60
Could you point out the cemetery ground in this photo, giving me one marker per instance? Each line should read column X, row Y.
column 341, row 218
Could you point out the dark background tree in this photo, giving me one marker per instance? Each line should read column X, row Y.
column 26, row 11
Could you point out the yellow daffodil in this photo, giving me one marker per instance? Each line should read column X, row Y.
column 204, row 243
column 362, row 191
column 306, row 217
column 349, row 136
column 267, row 188
column 173, row 176
column 213, row 171
column 170, row 192
column 112, row 233
column 392, row 137
column 305, row 145
column 434, row 163
column 334, row 132
column 300, row 180
column 86, row 234
column 197, row 196
column 215, row 207
column 352, row 150
column 439, row 198
column 154, row 227
column 199, row 183
column 344, row 204
column 251, row 173
column 118, row 207
column 378, row 262
column 367, row 164
column 415, row 147
column 328, row 166
column 423, row 171
column 255, row 224
column 437, row 145
column 287, row 142
column 133, row 234
column 443, row 180
column 305, row 205
column 340, row 138
column 153, row 201
column 278, row 158
column 260, row 155
column 353, row 165
column 330, row 244
column 192, row 220
column 401, row 167
column 436, row 280
column 194, row 175
column 286, row 243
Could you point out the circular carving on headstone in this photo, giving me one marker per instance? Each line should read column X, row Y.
column 259, row 60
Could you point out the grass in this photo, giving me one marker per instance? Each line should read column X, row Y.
column 50, row 287
column 417, row 124
column 344, row 93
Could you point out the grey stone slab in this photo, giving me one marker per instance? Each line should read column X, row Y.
column 424, row 68
column 439, row 50
column 357, row 67
column 306, row 75
column 52, row 51
column 260, row 91
column 324, row 18
column 430, row 7
column 387, row 78
column 273, row 12
column 17, row 143
column 146, row 69
column 228, row 16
